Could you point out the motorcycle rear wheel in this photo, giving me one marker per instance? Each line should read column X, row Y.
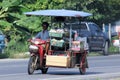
column 44, row 70
column 82, row 69
column 31, row 66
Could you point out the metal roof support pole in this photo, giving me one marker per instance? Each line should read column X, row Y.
column 109, row 32
column 70, row 36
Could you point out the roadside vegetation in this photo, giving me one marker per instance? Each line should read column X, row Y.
column 113, row 49
column 20, row 50
column 18, row 27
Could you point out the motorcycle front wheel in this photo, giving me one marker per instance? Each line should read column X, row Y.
column 31, row 65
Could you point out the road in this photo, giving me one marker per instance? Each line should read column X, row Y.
column 100, row 67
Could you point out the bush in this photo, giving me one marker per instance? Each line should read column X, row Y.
column 113, row 49
column 3, row 56
column 16, row 49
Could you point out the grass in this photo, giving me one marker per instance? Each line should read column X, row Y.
column 15, row 50
column 94, row 54
column 15, row 56
column 2, row 56
column 19, row 55
column 18, row 49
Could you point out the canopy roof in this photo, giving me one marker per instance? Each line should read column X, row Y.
column 62, row 12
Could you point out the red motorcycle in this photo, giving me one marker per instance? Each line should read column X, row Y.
column 64, row 51
column 38, row 49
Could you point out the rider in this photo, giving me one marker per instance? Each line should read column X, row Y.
column 44, row 34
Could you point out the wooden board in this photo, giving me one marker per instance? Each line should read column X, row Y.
column 60, row 61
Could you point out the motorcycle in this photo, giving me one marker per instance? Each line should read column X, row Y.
column 64, row 51
column 38, row 49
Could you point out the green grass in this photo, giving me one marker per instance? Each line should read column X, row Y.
column 94, row 54
column 19, row 55
column 18, row 49
column 2, row 56
column 15, row 50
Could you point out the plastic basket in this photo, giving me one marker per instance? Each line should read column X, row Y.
column 57, row 43
column 78, row 46
column 55, row 34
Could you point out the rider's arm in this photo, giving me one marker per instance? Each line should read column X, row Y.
column 38, row 35
column 48, row 36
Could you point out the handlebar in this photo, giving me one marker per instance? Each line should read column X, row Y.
column 37, row 41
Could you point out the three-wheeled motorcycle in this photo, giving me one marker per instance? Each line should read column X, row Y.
column 64, row 49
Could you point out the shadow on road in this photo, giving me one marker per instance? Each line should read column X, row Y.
column 67, row 73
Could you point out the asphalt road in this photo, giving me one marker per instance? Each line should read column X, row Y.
column 100, row 68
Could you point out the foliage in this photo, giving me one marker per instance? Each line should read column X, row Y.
column 103, row 11
column 3, row 56
column 16, row 47
column 18, row 27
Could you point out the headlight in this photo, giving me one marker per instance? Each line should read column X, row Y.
column 36, row 42
column 33, row 47
column 2, row 42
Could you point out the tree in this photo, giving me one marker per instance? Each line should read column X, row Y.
column 13, row 22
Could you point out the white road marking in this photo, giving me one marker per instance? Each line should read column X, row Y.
column 60, row 69
column 105, row 66
column 96, row 76
column 12, row 66
column 63, row 69
column 13, row 60
column 16, row 74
